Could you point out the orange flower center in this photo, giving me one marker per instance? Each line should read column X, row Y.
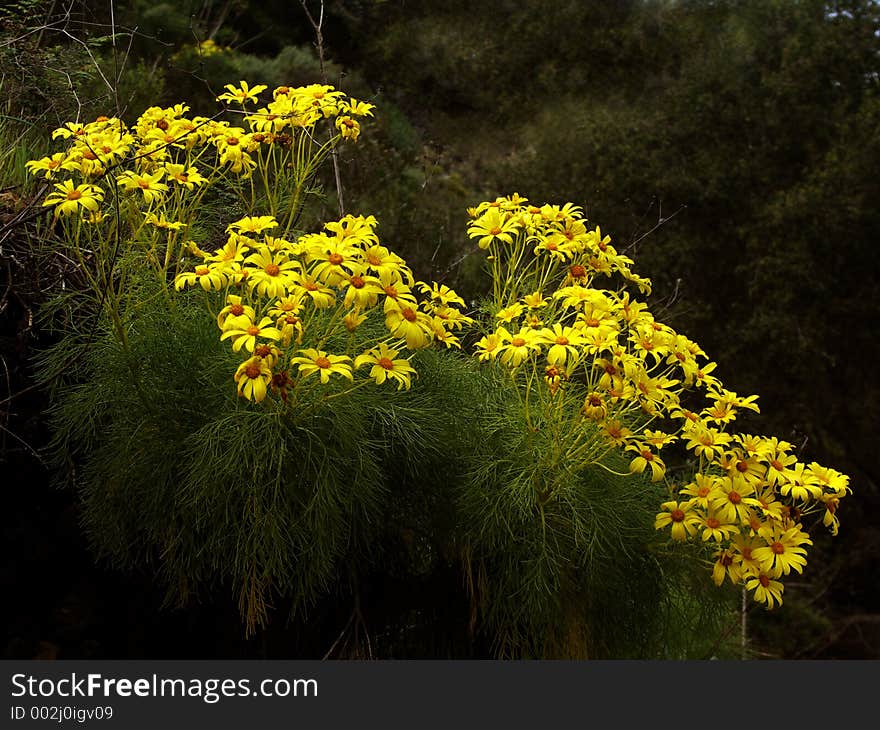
column 357, row 282
column 272, row 269
column 409, row 315
column 742, row 466
column 385, row 363
column 252, row 371
column 712, row 523
column 143, row 184
column 263, row 351
column 746, row 553
column 236, row 310
column 232, row 141
column 74, row 195
column 594, row 399
column 517, row 342
column 647, row 455
column 677, row 515
column 776, row 465
column 495, row 231
column 764, row 580
column 703, row 491
column 310, row 286
column 322, row 362
column 253, row 330
column 89, row 155
column 561, row 340
column 734, row 497
column 335, row 259
column 202, row 271
column 778, row 548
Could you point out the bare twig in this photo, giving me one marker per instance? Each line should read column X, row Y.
column 317, row 25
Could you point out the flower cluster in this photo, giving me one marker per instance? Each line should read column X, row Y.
column 284, row 301
column 640, row 386
column 167, row 153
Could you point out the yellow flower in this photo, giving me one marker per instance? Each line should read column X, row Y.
column 782, row 552
column 535, row 300
column 252, row 378
column 362, row 291
column 348, row 128
column 148, row 184
column 161, row 222
column 48, row 166
column 680, row 516
column 318, row 361
column 729, row 502
column 727, row 564
column 242, row 93
column 253, row 224
column 716, row 529
column 353, row 320
column 386, row 366
column 187, row 177
column 565, row 343
column 235, row 307
column 440, row 293
column 830, row 479
column 271, row 276
column 594, row 406
column 409, row 324
column 68, row 197
column 801, row 484
column 646, row 458
column 508, row 314
column 208, row 277
column 767, row 590
column 488, row 346
column 321, row 296
column 493, row 225
column 702, row 490
column 516, row 348
column 244, row 332
column 707, row 441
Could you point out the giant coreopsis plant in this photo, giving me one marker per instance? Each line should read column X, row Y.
column 245, row 400
column 596, row 369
